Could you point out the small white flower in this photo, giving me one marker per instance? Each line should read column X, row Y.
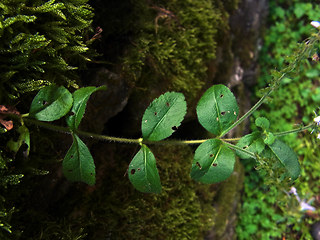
column 293, row 190
column 305, row 206
column 317, row 120
column 315, row 24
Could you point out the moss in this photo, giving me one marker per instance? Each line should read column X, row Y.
column 175, row 46
column 42, row 42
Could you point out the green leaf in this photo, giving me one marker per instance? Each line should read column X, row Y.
column 213, row 162
column 299, row 12
column 51, row 103
column 262, row 122
column 217, row 109
column 78, row 164
column 163, row 116
column 80, row 99
column 287, row 157
column 251, row 142
column 24, row 137
column 143, row 172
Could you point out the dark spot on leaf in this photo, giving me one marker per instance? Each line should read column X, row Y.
column 174, row 128
column 71, row 156
column 223, row 113
column 155, row 113
column 214, row 164
column 168, row 104
column 133, row 171
column 139, row 169
column 198, row 164
column 91, row 174
column 211, row 155
column 244, row 147
column 221, row 95
column 71, row 113
column 44, row 102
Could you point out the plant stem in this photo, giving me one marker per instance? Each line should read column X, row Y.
column 236, row 148
column 279, row 134
column 175, row 142
column 287, row 70
column 247, row 114
column 108, row 138
column 83, row 133
column 140, row 140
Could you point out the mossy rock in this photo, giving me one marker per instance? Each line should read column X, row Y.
column 115, row 209
column 124, row 213
column 164, row 46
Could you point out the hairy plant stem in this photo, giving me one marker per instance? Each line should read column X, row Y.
column 141, row 141
column 247, row 114
column 308, row 47
column 300, row 129
column 83, row 133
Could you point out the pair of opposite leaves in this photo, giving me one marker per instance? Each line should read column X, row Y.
column 53, row 102
column 213, row 162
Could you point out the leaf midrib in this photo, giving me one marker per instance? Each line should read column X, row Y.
column 156, row 126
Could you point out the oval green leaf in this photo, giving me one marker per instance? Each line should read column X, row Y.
column 213, row 162
column 80, row 99
column 163, row 116
column 287, row 157
column 78, row 164
column 262, row 122
column 217, row 109
column 143, row 172
column 251, row 142
column 51, row 103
